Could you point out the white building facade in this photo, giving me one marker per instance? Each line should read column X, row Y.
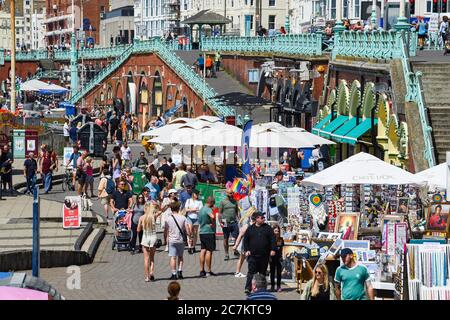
column 152, row 17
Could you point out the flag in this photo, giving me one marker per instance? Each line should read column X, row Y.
column 246, row 149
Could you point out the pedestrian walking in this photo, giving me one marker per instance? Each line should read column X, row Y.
column 192, row 208
column 46, row 171
column 189, row 179
column 74, row 159
column 117, row 167
column 275, row 260
column 166, row 169
column 114, row 123
column 178, row 176
column 121, row 199
column 141, row 162
column 166, row 211
column 175, row 230
column 352, row 279
column 104, row 193
column 30, row 169
column 89, row 180
column 125, row 151
column 229, row 216
column 246, row 220
column 207, row 228
column 66, row 131
column 138, row 212
column 81, row 173
column 320, row 287
column 6, row 160
column 259, row 246
column 147, row 226
column 259, row 288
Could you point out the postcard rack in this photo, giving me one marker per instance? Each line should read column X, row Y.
column 428, row 270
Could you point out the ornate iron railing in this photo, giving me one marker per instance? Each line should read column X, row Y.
column 414, row 93
column 300, row 44
column 176, row 63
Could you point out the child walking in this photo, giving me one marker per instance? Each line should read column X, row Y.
column 275, row 261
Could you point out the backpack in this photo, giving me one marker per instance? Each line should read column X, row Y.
column 110, row 186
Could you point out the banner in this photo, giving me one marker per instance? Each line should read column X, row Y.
column 72, row 212
column 245, row 148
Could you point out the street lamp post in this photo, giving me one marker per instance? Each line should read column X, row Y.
column 339, row 24
column 13, row 56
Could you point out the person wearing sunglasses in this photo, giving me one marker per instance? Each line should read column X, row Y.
column 138, row 211
column 259, row 246
column 121, row 199
column 319, row 287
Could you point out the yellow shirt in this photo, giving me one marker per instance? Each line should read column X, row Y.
column 177, row 179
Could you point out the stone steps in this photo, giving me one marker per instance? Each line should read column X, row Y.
column 436, row 90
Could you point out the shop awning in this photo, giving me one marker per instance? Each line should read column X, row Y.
column 344, row 129
column 358, row 131
column 333, row 125
column 321, row 123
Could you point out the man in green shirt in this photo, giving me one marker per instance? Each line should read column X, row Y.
column 229, row 216
column 352, row 280
column 178, row 176
column 207, row 236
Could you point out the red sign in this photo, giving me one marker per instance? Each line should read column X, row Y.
column 72, row 213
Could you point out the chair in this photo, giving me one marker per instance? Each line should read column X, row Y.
column 303, row 272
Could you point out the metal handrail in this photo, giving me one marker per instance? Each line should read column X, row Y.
column 414, row 94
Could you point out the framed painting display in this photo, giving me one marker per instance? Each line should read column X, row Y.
column 347, row 224
column 357, row 244
column 402, row 205
column 287, row 264
column 438, row 217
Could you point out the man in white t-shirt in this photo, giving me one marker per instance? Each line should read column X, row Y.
column 66, row 131
column 126, row 153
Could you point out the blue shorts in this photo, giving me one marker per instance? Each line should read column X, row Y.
column 232, row 229
column 192, row 221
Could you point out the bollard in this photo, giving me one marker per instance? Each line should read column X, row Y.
column 35, row 262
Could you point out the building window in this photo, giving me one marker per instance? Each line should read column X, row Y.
column 232, row 3
column 272, row 3
column 253, row 75
column 345, row 11
column 251, row 3
column 357, row 8
column 251, row 22
column 333, row 9
column 271, row 23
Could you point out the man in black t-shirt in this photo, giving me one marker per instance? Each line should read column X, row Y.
column 121, row 199
column 30, row 169
column 168, row 173
column 6, row 160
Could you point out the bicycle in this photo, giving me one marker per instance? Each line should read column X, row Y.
column 67, row 180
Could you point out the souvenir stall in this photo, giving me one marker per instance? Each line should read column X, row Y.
column 365, row 204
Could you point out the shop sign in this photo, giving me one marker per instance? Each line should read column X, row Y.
column 72, row 212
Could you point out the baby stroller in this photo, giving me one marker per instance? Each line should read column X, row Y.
column 122, row 233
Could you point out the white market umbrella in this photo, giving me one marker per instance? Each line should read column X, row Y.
column 203, row 134
column 362, row 168
column 435, row 177
column 314, row 139
column 33, row 85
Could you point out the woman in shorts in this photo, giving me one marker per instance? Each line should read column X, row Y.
column 147, row 225
column 244, row 223
column 192, row 207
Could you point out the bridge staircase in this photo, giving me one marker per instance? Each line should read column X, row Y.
column 183, row 70
column 437, row 97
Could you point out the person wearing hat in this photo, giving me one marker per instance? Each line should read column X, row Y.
column 259, row 246
column 192, row 208
column 278, row 178
column 352, row 279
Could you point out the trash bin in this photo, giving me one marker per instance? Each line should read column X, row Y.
column 19, row 144
column 207, row 190
column 31, row 141
column 139, row 180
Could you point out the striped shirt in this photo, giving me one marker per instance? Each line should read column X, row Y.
column 261, row 295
